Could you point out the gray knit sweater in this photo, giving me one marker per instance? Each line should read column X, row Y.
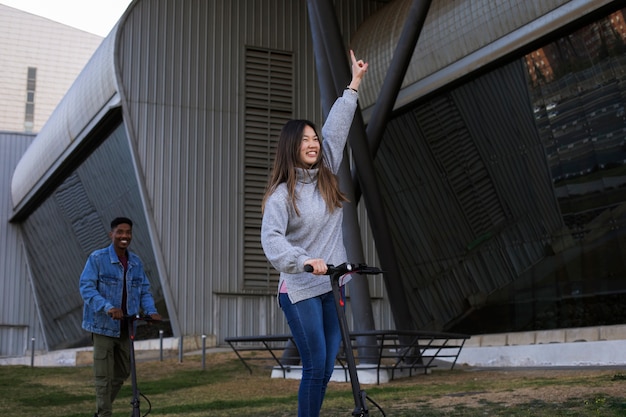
column 288, row 239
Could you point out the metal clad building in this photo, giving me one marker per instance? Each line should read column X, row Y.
column 18, row 306
column 41, row 59
column 173, row 123
column 185, row 88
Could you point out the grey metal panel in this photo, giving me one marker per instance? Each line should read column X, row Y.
column 458, row 38
column 92, row 91
column 55, row 280
column 19, row 319
column 244, row 315
column 73, row 222
column 470, row 208
column 180, row 65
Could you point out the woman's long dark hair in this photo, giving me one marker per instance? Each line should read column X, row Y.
column 287, row 160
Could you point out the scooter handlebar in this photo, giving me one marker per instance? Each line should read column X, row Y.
column 142, row 317
column 347, row 267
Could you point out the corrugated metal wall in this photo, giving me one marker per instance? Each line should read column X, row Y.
column 470, row 207
column 72, row 223
column 181, row 67
column 18, row 305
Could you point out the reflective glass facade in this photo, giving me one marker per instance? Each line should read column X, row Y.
column 577, row 89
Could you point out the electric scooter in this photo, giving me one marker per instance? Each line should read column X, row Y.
column 132, row 327
column 335, row 273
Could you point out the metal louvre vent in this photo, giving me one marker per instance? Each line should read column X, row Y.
column 461, row 163
column 268, row 106
column 76, row 206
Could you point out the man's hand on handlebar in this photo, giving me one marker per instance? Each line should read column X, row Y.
column 116, row 313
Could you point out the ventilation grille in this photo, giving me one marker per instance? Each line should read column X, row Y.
column 78, row 209
column 268, row 106
column 461, row 163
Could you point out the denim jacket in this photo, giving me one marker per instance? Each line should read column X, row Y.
column 101, row 289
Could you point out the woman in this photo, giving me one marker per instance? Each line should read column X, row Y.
column 302, row 217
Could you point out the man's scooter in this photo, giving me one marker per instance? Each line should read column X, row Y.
column 335, row 273
column 132, row 327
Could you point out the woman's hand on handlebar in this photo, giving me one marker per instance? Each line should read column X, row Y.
column 319, row 266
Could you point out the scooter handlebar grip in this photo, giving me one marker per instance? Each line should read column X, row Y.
column 308, row 268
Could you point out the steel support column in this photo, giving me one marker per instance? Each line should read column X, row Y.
column 359, row 287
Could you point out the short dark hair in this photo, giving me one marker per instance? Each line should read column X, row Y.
column 120, row 220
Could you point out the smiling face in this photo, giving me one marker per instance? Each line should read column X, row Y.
column 309, row 147
column 121, row 236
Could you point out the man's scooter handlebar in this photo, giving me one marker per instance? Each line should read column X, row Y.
column 140, row 317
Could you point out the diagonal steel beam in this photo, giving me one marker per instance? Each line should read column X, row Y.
column 359, row 287
column 329, row 50
column 392, row 83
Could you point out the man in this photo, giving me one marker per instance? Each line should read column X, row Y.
column 113, row 285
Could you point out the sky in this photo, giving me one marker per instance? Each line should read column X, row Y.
column 93, row 16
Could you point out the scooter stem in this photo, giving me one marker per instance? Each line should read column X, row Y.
column 133, row 370
column 359, row 395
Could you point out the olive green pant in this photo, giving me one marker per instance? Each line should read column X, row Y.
column 111, row 366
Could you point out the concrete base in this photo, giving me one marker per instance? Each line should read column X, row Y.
column 604, row 353
column 84, row 356
column 583, row 346
column 365, row 376
column 65, row 357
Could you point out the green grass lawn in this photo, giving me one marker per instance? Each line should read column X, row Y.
column 225, row 388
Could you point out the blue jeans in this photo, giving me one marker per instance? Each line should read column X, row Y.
column 315, row 329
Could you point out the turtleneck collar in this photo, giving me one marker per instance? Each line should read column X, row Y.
column 307, row 176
